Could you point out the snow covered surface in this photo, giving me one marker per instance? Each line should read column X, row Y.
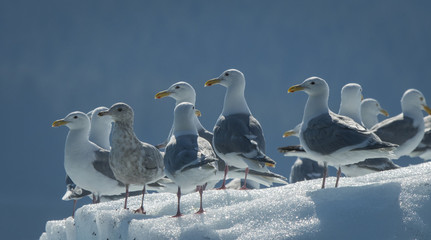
column 388, row 205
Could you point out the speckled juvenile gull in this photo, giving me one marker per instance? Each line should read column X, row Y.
column 423, row 150
column 184, row 92
column 370, row 109
column 86, row 163
column 189, row 159
column 407, row 128
column 351, row 97
column 331, row 138
column 132, row 161
column 238, row 136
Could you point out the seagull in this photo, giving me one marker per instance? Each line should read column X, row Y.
column 351, row 106
column 370, row 109
column 304, row 168
column 132, row 161
column 407, row 128
column 331, row 138
column 423, row 150
column 184, row 92
column 74, row 193
column 85, row 163
column 100, row 129
column 189, row 159
column 238, row 137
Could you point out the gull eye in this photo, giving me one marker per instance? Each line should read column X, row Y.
column 421, row 98
column 177, row 87
column 226, row 74
column 120, row 109
column 312, row 83
column 75, row 117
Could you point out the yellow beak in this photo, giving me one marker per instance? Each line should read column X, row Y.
column 384, row 112
column 212, row 82
column 59, row 123
column 162, row 94
column 295, row 88
column 362, row 97
column 198, row 113
column 427, row 109
column 289, row 133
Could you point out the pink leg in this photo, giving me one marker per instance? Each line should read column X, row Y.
column 223, row 186
column 74, row 208
column 178, row 209
column 244, row 186
column 127, row 195
column 96, row 199
column 201, row 190
column 325, row 172
column 338, row 176
column 141, row 209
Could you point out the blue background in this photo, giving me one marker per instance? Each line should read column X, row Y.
column 62, row 56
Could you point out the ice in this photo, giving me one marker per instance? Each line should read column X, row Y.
column 387, row 205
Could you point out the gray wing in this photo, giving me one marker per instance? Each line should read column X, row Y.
column 396, row 130
column 207, row 135
column 75, row 191
column 425, row 144
column 305, row 169
column 152, row 157
column 241, row 134
column 376, row 164
column 292, row 148
column 101, row 164
column 328, row 133
column 180, row 153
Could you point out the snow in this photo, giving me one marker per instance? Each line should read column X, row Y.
column 387, row 205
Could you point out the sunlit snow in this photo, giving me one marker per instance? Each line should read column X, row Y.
column 387, row 205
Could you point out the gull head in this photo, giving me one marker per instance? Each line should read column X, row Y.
column 180, row 91
column 352, row 92
column 74, row 120
column 372, row 106
column 184, row 117
column 312, row 86
column 412, row 99
column 120, row 112
column 228, row 78
column 100, row 120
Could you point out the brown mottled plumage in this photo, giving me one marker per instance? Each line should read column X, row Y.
column 132, row 161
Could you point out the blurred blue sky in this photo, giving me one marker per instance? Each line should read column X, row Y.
column 62, row 56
